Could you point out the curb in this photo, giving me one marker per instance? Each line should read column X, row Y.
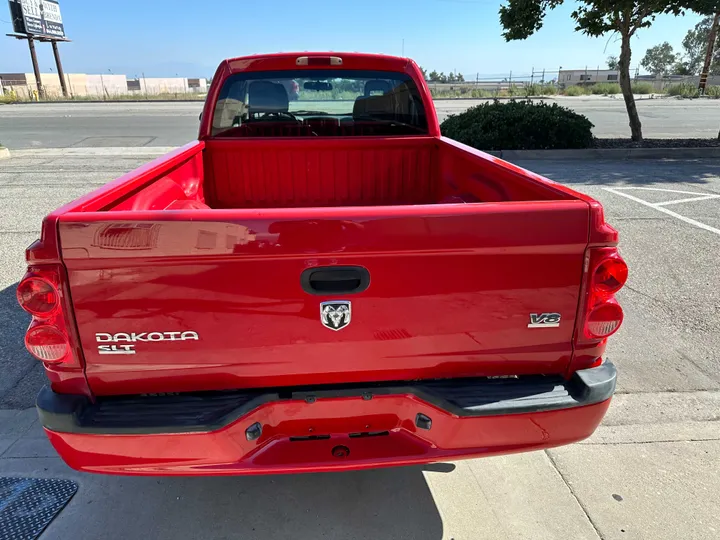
column 610, row 153
column 4, row 153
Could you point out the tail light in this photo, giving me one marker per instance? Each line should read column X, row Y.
column 38, row 297
column 607, row 275
column 47, row 337
column 47, row 343
column 604, row 320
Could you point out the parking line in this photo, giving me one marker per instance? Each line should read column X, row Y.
column 692, row 199
column 660, row 189
column 666, row 211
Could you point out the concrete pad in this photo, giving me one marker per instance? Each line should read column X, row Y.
column 508, row 497
column 663, row 407
column 37, row 446
column 645, row 433
column 17, row 423
column 6, row 442
column 385, row 503
column 655, row 491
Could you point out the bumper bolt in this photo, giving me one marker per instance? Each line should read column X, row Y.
column 341, row 452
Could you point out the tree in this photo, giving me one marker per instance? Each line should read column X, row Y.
column 434, row 76
column 522, row 18
column 612, row 62
column 442, row 77
column 459, row 77
column 424, row 73
column 659, row 59
column 694, row 49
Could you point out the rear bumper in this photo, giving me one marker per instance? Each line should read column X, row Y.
column 339, row 428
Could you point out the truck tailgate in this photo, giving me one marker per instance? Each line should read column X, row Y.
column 203, row 300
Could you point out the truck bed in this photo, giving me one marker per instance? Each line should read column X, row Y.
column 305, row 173
column 451, row 286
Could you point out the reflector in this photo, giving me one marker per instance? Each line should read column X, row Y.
column 47, row 343
column 604, row 320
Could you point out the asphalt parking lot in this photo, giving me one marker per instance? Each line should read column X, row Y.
column 650, row 471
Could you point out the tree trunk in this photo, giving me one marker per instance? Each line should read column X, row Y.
column 626, row 87
column 709, row 54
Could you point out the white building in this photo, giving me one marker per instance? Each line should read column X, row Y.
column 569, row 77
column 103, row 86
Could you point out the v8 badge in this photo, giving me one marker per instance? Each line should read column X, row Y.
column 544, row 320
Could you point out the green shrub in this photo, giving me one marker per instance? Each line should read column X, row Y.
column 642, row 88
column 480, row 93
column 683, row 89
column 539, row 89
column 606, row 88
column 575, row 90
column 713, row 91
column 519, row 125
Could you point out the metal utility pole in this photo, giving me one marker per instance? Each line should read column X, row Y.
column 709, row 54
column 36, row 67
column 61, row 73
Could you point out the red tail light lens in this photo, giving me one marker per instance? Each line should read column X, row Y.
column 38, row 297
column 604, row 320
column 610, row 275
column 47, row 343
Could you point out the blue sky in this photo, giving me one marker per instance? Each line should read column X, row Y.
column 189, row 38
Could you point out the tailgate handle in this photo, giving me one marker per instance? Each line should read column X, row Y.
column 335, row 280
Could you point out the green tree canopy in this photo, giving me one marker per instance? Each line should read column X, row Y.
column 522, row 18
column 659, row 59
column 694, row 50
column 612, row 62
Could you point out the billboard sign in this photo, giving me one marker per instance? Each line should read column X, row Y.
column 37, row 18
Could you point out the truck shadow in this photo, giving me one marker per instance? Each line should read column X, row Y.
column 632, row 172
column 22, row 375
column 384, row 503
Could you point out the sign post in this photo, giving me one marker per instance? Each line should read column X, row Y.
column 39, row 20
column 61, row 73
column 36, row 68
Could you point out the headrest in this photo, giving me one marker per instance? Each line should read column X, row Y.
column 377, row 85
column 265, row 96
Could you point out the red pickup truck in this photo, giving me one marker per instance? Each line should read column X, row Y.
column 319, row 284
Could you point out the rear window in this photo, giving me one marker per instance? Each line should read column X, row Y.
column 319, row 103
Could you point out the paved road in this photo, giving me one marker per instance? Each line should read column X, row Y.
column 650, row 471
column 173, row 124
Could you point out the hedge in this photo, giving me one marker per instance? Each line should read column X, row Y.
column 519, row 125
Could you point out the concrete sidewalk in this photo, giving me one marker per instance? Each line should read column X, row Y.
column 650, row 471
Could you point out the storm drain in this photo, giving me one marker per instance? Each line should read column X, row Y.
column 28, row 505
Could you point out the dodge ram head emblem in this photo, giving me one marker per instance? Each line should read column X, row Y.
column 335, row 315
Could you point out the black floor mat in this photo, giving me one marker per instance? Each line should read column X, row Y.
column 28, row 505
